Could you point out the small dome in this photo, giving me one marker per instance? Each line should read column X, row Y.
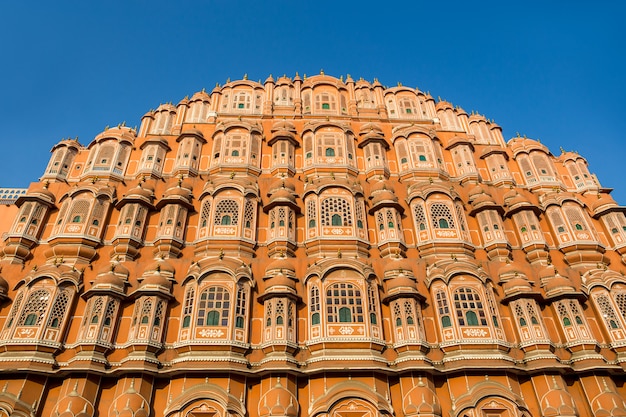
column 108, row 281
column 166, row 106
column 283, row 195
column 380, row 186
column 509, row 269
column 286, row 183
column 178, row 191
column 162, row 267
column 399, row 265
column 368, row 128
column 602, row 202
column 516, row 285
column 401, row 283
column 284, row 264
column 443, row 105
column 558, row 284
column 141, row 191
column 200, row 95
column 280, row 280
column 40, row 192
column 384, row 196
column 519, row 144
column 156, row 281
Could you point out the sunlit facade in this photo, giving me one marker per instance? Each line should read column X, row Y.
column 313, row 246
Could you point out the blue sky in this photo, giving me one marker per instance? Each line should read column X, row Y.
column 549, row 70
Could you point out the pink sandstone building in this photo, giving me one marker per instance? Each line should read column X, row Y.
column 313, row 246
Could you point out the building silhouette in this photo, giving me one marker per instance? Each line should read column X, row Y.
column 313, row 246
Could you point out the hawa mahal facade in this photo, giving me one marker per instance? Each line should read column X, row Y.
column 313, row 247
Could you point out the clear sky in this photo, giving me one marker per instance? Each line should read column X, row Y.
column 551, row 70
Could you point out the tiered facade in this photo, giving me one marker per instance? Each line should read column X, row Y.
column 313, row 247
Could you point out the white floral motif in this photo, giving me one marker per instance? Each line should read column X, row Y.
column 346, row 330
column 211, row 333
column 475, row 332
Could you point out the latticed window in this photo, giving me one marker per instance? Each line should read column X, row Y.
column 620, row 299
column 105, row 156
column 461, row 216
column 344, row 304
column 79, row 211
column 214, row 307
column 408, row 107
column 281, row 217
column 569, row 313
column 205, row 214
column 372, row 303
column 330, row 145
column 557, row 220
column 35, row 308
column 315, row 305
column 226, row 213
column 241, row 101
column 542, row 164
column 129, row 214
column 419, row 216
column 441, row 217
column 526, row 313
column 146, row 310
column 397, row 313
column 280, row 312
column 109, row 313
column 16, row 307
column 404, row 313
column 240, row 308
column 360, row 218
column 443, row 308
column 236, row 145
column 159, row 313
column 608, row 313
column 421, row 151
column 61, row 305
column 325, row 101
column 493, row 309
column 98, row 212
column 98, row 304
column 469, row 307
column 311, row 211
column 25, row 212
column 249, row 215
column 188, row 306
column 268, row 313
column 336, row 212
column 575, row 218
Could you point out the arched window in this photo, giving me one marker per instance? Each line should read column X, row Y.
column 343, row 303
column 214, row 307
column 469, row 307
column 35, row 308
column 226, row 212
column 330, row 152
column 336, row 211
column 441, row 216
